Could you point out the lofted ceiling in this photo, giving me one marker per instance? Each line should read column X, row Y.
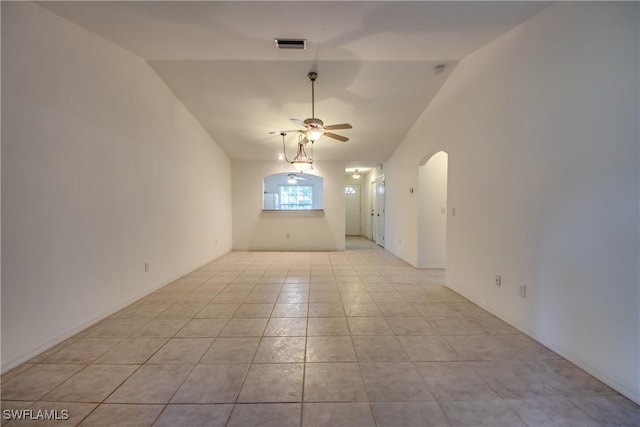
column 375, row 62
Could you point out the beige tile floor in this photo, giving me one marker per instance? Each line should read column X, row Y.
column 353, row 338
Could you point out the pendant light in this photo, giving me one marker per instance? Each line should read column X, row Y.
column 301, row 162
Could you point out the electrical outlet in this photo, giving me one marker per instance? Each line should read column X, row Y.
column 522, row 291
column 498, row 281
column 146, row 267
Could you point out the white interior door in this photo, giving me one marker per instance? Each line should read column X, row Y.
column 379, row 218
column 352, row 209
column 372, row 213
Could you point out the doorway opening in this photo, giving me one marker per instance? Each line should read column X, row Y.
column 352, row 208
column 432, row 211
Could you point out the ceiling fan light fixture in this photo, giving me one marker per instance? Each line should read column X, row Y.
column 313, row 134
column 356, row 175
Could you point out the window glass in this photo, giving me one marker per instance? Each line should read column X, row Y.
column 296, row 197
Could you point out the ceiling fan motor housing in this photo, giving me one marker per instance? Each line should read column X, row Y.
column 313, row 122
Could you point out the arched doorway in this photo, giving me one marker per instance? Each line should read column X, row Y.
column 432, row 211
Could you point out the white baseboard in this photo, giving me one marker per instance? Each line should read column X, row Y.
column 95, row 319
column 633, row 395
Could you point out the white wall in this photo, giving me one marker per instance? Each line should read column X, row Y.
column 541, row 127
column 432, row 212
column 255, row 229
column 103, row 169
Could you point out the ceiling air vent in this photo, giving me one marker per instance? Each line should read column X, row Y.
column 291, row 43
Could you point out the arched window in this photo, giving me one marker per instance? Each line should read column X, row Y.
column 293, row 191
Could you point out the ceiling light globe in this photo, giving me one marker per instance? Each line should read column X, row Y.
column 314, row 134
column 301, row 165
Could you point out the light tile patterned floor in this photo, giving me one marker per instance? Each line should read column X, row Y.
column 354, row 338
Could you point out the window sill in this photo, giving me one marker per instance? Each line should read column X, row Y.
column 292, row 210
column 299, row 213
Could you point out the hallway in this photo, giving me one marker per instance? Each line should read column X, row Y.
column 353, row 338
column 359, row 242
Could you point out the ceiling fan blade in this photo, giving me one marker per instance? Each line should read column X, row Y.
column 297, row 177
column 273, row 132
column 340, row 126
column 300, row 122
column 338, row 137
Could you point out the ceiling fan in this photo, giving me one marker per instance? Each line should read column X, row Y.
column 314, row 128
column 293, row 178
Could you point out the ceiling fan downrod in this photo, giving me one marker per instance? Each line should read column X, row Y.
column 313, row 76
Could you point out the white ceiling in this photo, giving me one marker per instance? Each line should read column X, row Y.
column 375, row 62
